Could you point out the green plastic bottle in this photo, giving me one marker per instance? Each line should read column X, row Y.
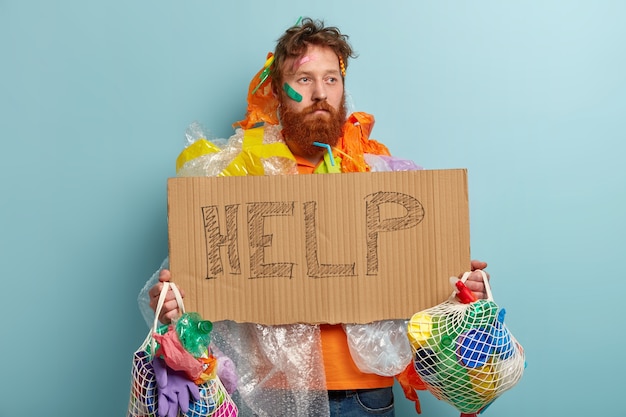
column 194, row 333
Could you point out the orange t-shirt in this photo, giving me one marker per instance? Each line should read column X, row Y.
column 341, row 371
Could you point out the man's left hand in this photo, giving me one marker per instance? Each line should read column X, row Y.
column 475, row 279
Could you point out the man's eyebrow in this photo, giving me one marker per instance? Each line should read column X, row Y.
column 331, row 71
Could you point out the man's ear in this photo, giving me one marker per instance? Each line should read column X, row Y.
column 275, row 89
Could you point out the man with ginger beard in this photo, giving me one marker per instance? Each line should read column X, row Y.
column 307, row 98
column 300, row 131
column 320, row 114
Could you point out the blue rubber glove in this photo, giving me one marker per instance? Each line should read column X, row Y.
column 174, row 389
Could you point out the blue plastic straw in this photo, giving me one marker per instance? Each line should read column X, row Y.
column 328, row 149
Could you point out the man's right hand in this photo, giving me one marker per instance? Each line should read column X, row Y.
column 169, row 311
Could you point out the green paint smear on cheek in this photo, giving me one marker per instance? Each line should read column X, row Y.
column 291, row 93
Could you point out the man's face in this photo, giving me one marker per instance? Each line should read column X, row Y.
column 314, row 107
column 315, row 76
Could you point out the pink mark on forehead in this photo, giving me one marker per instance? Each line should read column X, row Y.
column 299, row 62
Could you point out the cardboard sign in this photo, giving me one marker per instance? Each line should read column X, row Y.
column 335, row 248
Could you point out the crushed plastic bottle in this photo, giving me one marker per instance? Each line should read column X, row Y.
column 194, row 334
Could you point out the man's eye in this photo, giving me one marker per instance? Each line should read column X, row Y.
column 331, row 80
column 304, row 80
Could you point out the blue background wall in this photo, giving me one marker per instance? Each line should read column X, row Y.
column 95, row 97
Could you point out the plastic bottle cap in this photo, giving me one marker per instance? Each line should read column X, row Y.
column 205, row 326
column 446, row 340
column 419, row 329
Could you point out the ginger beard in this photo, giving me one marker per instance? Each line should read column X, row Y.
column 302, row 128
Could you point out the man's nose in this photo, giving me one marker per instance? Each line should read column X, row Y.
column 319, row 93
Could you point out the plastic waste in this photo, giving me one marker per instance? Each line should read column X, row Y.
column 194, row 333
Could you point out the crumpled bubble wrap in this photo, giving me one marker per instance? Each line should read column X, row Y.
column 214, row 164
column 281, row 371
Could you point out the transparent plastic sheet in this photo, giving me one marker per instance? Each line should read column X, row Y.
column 383, row 163
column 143, row 299
column 195, row 131
column 281, row 371
column 381, row 347
column 233, row 158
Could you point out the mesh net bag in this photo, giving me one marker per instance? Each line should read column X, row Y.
column 214, row 400
column 463, row 351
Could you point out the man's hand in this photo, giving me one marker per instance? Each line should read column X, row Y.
column 170, row 306
column 475, row 279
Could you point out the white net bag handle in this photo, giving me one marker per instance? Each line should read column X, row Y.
column 466, row 276
column 159, row 307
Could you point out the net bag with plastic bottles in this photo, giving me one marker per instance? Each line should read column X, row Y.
column 463, row 351
column 212, row 398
